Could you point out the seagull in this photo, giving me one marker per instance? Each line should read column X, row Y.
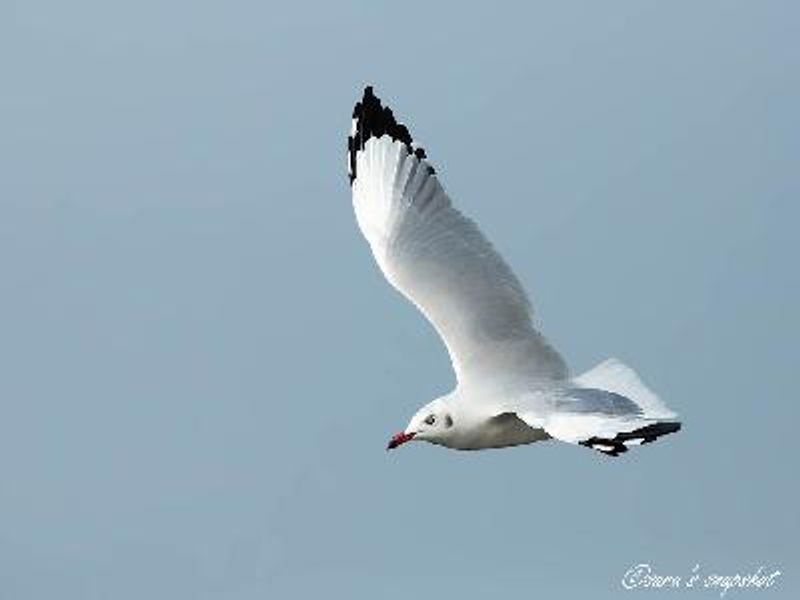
column 512, row 386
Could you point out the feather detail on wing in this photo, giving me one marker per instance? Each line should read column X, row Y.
column 438, row 258
column 608, row 409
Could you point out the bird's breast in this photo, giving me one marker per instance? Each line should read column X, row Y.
column 497, row 432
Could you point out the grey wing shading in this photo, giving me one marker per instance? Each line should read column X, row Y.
column 608, row 409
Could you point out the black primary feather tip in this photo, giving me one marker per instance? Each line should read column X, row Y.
column 372, row 119
column 619, row 443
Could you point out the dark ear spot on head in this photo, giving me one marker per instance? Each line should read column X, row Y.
column 448, row 421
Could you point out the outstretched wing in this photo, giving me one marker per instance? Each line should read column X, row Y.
column 608, row 408
column 437, row 257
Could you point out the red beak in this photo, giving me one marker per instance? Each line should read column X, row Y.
column 400, row 438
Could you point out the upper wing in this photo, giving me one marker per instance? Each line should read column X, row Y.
column 437, row 257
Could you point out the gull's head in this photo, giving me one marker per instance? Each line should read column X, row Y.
column 432, row 423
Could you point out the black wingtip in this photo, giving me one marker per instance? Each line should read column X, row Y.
column 372, row 119
column 620, row 442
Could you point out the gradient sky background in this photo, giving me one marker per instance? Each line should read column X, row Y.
column 200, row 363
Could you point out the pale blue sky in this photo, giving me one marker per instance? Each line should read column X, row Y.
column 201, row 363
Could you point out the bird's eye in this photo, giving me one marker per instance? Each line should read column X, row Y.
column 430, row 420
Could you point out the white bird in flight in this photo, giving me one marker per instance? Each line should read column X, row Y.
column 512, row 386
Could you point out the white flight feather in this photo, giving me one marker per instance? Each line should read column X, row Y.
column 442, row 263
